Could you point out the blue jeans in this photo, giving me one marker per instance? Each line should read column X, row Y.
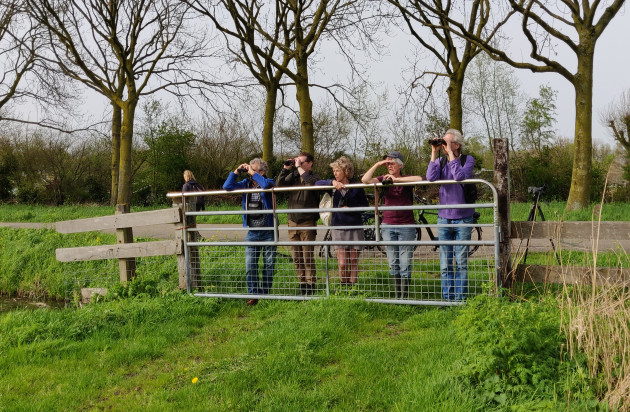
column 252, row 253
column 454, row 274
column 399, row 257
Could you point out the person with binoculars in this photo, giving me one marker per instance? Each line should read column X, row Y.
column 298, row 172
column 261, row 225
column 457, row 222
column 395, row 222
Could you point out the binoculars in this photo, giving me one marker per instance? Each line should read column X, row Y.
column 437, row 141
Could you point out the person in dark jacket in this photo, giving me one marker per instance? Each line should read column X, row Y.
column 260, row 225
column 298, row 172
column 347, row 255
column 191, row 185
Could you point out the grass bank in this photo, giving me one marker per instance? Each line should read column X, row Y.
column 180, row 353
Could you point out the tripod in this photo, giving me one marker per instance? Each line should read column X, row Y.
column 536, row 193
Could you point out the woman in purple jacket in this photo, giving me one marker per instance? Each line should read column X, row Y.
column 347, row 256
column 454, row 274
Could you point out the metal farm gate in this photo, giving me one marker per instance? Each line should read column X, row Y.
column 215, row 252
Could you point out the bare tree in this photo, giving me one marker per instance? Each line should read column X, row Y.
column 453, row 53
column 122, row 49
column 254, row 32
column 494, row 97
column 17, row 53
column 577, row 25
column 617, row 117
column 21, row 79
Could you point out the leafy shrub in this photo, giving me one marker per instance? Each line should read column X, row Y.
column 515, row 349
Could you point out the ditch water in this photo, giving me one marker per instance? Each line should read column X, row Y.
column 8, row 303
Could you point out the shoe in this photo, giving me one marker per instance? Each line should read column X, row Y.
column 397, row 286
column 303, row 289
column 404, row 288
column 310, row 289
column 252, row 302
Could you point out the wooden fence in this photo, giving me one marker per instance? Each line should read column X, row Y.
column 126, row 251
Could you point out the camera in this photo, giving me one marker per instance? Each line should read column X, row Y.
column 437, row 141
column 289, row 162
column 537, row 191
column 387, row 181
column 241, row 170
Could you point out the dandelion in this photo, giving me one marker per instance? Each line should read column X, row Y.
column 195, row 380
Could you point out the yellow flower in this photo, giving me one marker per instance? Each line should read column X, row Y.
column 195, row 380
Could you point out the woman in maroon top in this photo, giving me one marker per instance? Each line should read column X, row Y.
column 397, row 224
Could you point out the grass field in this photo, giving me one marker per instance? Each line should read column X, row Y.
column 519, row 212
column 181, row 353
column 150, row 347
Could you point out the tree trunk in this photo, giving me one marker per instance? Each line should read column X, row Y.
column 454, row 92
column 126, row 142
column 306, row 105
column 580, row 193
column 270, row 114
column 115, row 162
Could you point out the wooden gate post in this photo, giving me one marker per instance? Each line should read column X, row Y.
column 502, row 184
column 126, row 266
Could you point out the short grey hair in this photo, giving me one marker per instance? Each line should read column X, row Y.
column 397, row 160
column 262, row 165
column 457, row 137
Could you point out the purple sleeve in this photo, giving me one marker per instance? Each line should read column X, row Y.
column 433, row 170
column 460, row 173
column 323, row 183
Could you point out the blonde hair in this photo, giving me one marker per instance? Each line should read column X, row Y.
column 345, row 165
column 188, row 175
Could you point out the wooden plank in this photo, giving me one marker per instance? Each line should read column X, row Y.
column 572, row 275
column 121, row 251
column 571, row 230
column 126, row 220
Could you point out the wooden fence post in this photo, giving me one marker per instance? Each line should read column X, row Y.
column 502, row 184
column 126, row 266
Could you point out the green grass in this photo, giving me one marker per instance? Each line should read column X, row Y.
column 28, row 265
column 320, row 355
column 519, row 212
column 51, row 214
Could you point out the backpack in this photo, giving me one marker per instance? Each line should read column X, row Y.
column 470, row 189
column 201, row 200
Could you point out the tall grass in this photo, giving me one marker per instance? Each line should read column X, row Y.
column 597, row 325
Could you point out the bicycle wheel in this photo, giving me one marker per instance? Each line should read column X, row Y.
column 476, row 235
column 369, row 231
